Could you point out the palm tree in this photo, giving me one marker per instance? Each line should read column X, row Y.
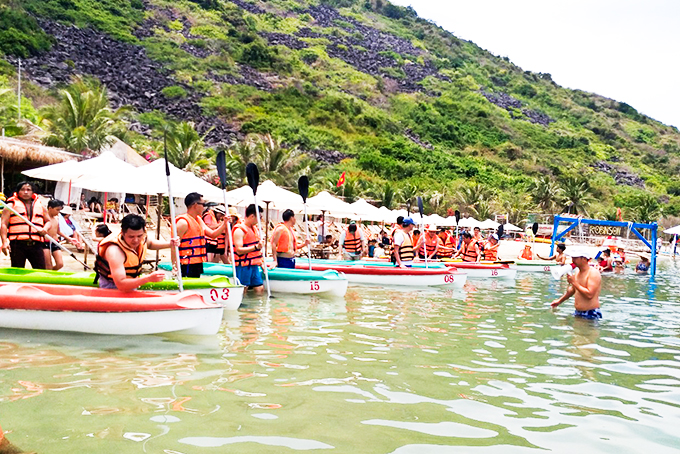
column 471, row 196
column 385, row 193
column 517, row 205
column 408, row 194
column 239, row 155
column 185, row 147
column 546, row 194
column 83, row 120
column 647, row 209
column 577, row 195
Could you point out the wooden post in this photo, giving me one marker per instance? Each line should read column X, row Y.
column 266, row 227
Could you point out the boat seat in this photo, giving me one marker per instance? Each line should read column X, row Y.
column 20, row 289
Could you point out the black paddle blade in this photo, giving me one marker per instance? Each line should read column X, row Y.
column 303, row 187
column 534, row 228
column 221, row 163
column 165, row 152
column 500, row 231
column 253, row 176
column 420, row 206
column 457, row 214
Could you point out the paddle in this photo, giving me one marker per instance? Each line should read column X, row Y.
column 457, row 215
column 173, row 224
column 221, row 163
column 303, row 188
column 253, row 176
column 52, row 240
column 421, row 211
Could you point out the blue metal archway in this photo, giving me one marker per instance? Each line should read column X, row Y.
column 633, row 226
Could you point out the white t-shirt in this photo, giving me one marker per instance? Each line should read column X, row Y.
column 399, row 238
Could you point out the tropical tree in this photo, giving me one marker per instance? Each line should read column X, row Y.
column 386, row 193
column 239, row 154
column 516, row 204
column 185, row 147
column 577, row 195
column 647, row 209
column 82, row 120
column 408, row 194
column 546, row 194
column 471, row 196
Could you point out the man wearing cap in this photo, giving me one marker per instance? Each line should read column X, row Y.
column 404, row 251
column 429, row 242
column 584, row 285
column 352, row 242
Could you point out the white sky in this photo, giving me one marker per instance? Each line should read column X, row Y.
column 627, row 50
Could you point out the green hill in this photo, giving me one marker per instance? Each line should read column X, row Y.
column 362, row 86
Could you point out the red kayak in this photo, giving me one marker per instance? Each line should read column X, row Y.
column 93, row 310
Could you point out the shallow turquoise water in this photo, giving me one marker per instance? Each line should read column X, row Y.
column 488, row 369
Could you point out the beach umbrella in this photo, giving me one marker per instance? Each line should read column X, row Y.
column 673, row 230
column 74, row 171
column 268, row 192
column 324, row 201
column 489, row 224
column 366, row 211
column 511, row 228
column 469, row 222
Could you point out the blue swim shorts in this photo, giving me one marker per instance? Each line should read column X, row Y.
column 285, row 262
column 250, row 276
column 592, row 314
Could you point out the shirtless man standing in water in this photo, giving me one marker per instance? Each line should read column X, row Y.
column 584, row 286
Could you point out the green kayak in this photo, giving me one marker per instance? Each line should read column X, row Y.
column 214, row 289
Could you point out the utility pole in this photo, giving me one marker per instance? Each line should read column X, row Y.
column 19, row 91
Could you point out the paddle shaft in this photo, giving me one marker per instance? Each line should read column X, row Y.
column 309, row 246
column 264, row 249
column 230, row 237
column 52, row 240
column 173, row 226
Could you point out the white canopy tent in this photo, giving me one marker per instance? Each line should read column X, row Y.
column 325, row 202
column 277, row 197
column 387, row 215
column 469, row 222
column 673, row 230
column 366, row 212
column 511, row 228
column 74, row 171
column 436, row 220
column 450, row 221
column 489, row 224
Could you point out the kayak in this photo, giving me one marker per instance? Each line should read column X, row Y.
column 393, row 276
column 535, row 266
column 488, row 270
column 215, row 290
column 284, row 280
column 98, row 311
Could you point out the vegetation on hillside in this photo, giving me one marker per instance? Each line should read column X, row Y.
column 413, row 109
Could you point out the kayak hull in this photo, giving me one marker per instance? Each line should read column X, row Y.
column 393, row 276
column 293, row 281
column 534, row 266
column 484, row 271
column 213, row 290
column 95, row 311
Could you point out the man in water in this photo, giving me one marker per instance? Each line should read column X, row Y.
column 585, row 286
column 558, row 256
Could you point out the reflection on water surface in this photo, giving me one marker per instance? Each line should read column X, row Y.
column 487, row 369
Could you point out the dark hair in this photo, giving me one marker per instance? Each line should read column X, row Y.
column 467, row 235
column 400, row 220
column 329, row 236
column 132, row 222
column 54, row 203
column 24, row 183
column 250, row 211
column 352, row 228
column 103, row 229
column 287, row 215
column 416, row 232
column 93, row 199
column 607, row 252
column 562, row 247
column 192, row 198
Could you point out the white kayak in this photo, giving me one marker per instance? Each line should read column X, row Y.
column 228, row 297
column 534, row 266
column 96, row 311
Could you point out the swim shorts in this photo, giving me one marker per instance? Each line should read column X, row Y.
column 249, row 276
column 592, row 314
column 285, row 262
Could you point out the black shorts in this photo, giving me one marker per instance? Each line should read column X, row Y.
column 192, row 270
column 220, row 251
column 211, row 248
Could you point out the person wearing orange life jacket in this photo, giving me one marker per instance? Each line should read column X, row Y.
column 209, row 217
column 477, row 236
column 490, row 250
column 446, row 244
column 527, row 253
column 283, row 241
column 430, row 242
column 21, row 241
column 352, row 242
column 192, row 232
column 248, row 250
column 120, row 256
column 469, row 250
column 404, row 251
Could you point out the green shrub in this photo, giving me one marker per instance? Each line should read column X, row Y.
column 258, row 55
column 20, row 34
column 174, row 91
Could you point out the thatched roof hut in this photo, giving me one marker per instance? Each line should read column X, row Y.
column 27, row 153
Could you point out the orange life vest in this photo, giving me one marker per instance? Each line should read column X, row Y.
column 527, row 254
column 430, row 243
column 352, row 242
column 491, row 251
column 469, row 252
column 192, row 244
column 251, row 237
column 211, row 221
column 18, row 229
column 287, row 242
column 133, row 258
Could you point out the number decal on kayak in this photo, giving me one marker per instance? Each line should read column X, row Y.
column 494, row 272
column 225, row 294
column 213, row 294
column 449, row 279
column 314, row 286
column 546, row 268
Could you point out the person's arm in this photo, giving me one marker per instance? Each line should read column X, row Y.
column 552, row 257
column 593, row 282
column 214, row 233
column 436, row 249
column 274, row 243
column 154, row 244
column 116, row 259
column 4, row 223
column 342, row 241
column 568, row 294
column 238, row 243
column 479, row 252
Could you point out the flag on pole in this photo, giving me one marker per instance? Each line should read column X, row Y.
column 341, row 180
